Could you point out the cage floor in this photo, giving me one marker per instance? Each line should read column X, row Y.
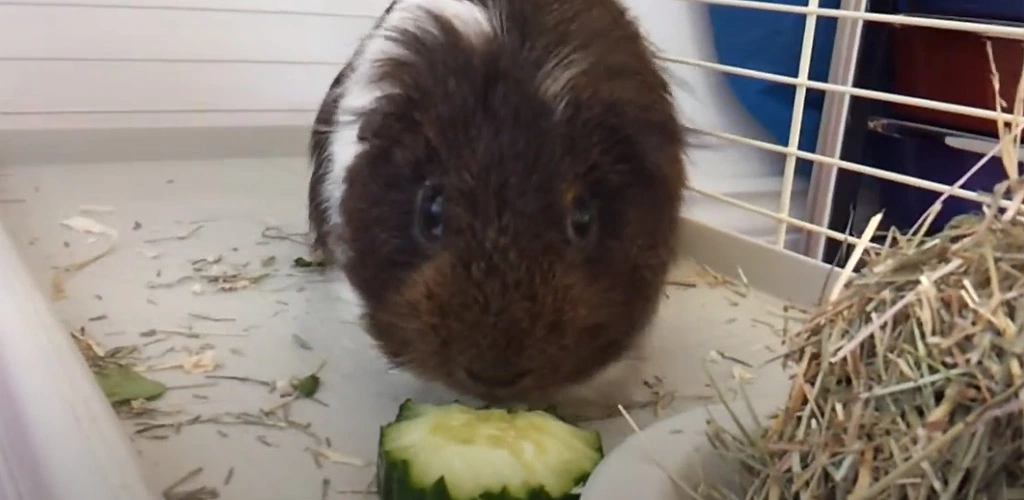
column 141, row 295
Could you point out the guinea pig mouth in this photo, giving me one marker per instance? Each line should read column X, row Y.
column 495, row 379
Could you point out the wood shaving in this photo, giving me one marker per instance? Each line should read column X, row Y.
column 192, row 474
column 682, row 283
column 191, row 386
column 91, row 344
column 283, row 404
column 244, row 419
column 223, row 276
column 366, row 492
column 149, row 253
column 276, row 233
column 264, row 383
column 235, row 285
column 338, row 458
column 207, row 261
column 214, row 319
column 286, row 387
column 715, row 356
column 742, row 375
column 140, row 409
column 202, row 362
column 58, row 288
column 200, row 493
column 191, row 334
column 302, row 343
column 181, row 236
column 660, row 397
column 96, row 209
column 88, row 226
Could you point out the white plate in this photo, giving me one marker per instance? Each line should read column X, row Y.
column 678, row 444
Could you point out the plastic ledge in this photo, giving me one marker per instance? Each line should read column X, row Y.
column 59, row 437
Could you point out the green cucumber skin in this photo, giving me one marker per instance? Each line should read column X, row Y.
column 408, row 410
column 394, row 481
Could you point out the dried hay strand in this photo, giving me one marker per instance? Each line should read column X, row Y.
column 909, row 382
column 924, row 400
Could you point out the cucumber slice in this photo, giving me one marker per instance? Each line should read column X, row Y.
column 455, row 452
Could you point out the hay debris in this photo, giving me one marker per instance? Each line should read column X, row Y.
column 909, row 381
column 909, row 384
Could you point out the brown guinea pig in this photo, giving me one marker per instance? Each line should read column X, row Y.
column 500, row 181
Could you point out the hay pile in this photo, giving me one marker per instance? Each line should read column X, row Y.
column 909, row 381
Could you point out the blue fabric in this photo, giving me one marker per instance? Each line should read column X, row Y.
column 771, row 41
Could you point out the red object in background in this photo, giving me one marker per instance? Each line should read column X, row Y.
column 953, row 66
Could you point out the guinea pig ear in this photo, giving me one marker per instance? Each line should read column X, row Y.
column 370, row 125
column 618, row 153
column 383, row 122
column 645, row 159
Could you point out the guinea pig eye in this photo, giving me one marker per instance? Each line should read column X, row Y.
column 581, row 221
column 429, row 213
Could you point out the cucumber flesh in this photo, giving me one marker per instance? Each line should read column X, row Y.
column 455, row 452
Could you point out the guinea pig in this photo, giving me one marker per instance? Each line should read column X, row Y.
column 500, row 181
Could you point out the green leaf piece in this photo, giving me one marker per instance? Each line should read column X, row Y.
column 122, row 384
column 308, row 385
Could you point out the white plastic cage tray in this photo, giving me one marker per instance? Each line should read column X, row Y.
column 59, row 437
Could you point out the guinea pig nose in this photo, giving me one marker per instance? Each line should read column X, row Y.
column 495, row 378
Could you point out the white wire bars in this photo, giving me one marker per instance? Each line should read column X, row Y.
column 853, row 12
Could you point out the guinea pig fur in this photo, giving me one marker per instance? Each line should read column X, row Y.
column 500, row 181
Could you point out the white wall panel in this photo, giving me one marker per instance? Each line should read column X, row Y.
column 131, row 63
column 100, row 64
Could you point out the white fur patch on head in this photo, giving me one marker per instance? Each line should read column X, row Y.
column 558, row 76
column 360, row 90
